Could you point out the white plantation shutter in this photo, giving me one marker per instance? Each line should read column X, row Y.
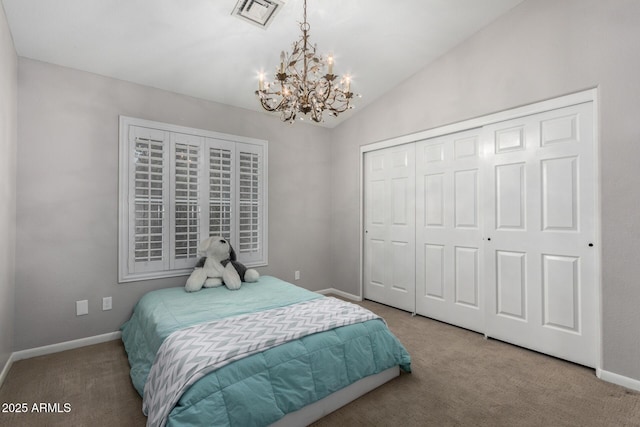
column 221, row 188
column 147, row 191
column 186, row 189
column 179, row 186
column 249, row 170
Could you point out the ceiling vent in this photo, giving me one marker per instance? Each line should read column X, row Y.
column 258, row 12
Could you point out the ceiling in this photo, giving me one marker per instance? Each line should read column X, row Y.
column 197, row 48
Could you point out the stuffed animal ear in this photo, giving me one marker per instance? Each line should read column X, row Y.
column 204, row 245
column 232, row 253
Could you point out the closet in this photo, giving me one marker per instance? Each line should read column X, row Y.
column 491, row 228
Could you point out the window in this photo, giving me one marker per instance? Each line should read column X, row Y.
column 179, row 186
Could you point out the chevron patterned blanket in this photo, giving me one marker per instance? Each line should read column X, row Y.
column 189, row 354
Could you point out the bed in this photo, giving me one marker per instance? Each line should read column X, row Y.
column 293, row 378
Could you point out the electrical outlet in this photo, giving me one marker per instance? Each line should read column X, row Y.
column 106, row 303
column 297, row 275
column 82, row 307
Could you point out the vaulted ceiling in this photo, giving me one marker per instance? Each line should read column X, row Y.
column 197, row 48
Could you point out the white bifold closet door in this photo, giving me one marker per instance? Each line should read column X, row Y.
column 389, row 217
column 541, row 262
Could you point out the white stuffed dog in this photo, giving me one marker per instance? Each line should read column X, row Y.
column 219, row 266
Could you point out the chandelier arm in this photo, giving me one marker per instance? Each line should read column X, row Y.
column 328, row 91
column 265, row 105
column 338, row 105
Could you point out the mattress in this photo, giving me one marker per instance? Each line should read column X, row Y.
column 262, row 388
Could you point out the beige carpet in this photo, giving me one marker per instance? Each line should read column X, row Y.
column 458, row 379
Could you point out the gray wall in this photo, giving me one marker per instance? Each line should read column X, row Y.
column 8, row 147
column 67, row 204
column 541, row 49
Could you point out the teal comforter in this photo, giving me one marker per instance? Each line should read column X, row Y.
column 262, row 388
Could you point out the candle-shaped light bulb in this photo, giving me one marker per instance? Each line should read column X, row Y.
column 282, row 61
column 261, row 81
column 330, row 62
column 347, row 83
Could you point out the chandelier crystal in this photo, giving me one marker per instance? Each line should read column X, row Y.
column 301, row 84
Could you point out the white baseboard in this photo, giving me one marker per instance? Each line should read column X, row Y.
column 339, row 293
column 67, row 345
column 55, row 348
column 6, row 368
column 618, row 379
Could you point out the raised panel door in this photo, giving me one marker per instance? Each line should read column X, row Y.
column 389, row 219
column 449, row 249
column 541, row 285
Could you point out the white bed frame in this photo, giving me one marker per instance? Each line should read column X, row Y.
column 317, row 410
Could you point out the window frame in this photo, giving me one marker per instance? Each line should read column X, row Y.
column 208, row 139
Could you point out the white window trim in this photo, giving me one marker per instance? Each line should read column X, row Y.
column 124, row 275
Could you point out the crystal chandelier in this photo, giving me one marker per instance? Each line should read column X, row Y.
column 301, row 86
